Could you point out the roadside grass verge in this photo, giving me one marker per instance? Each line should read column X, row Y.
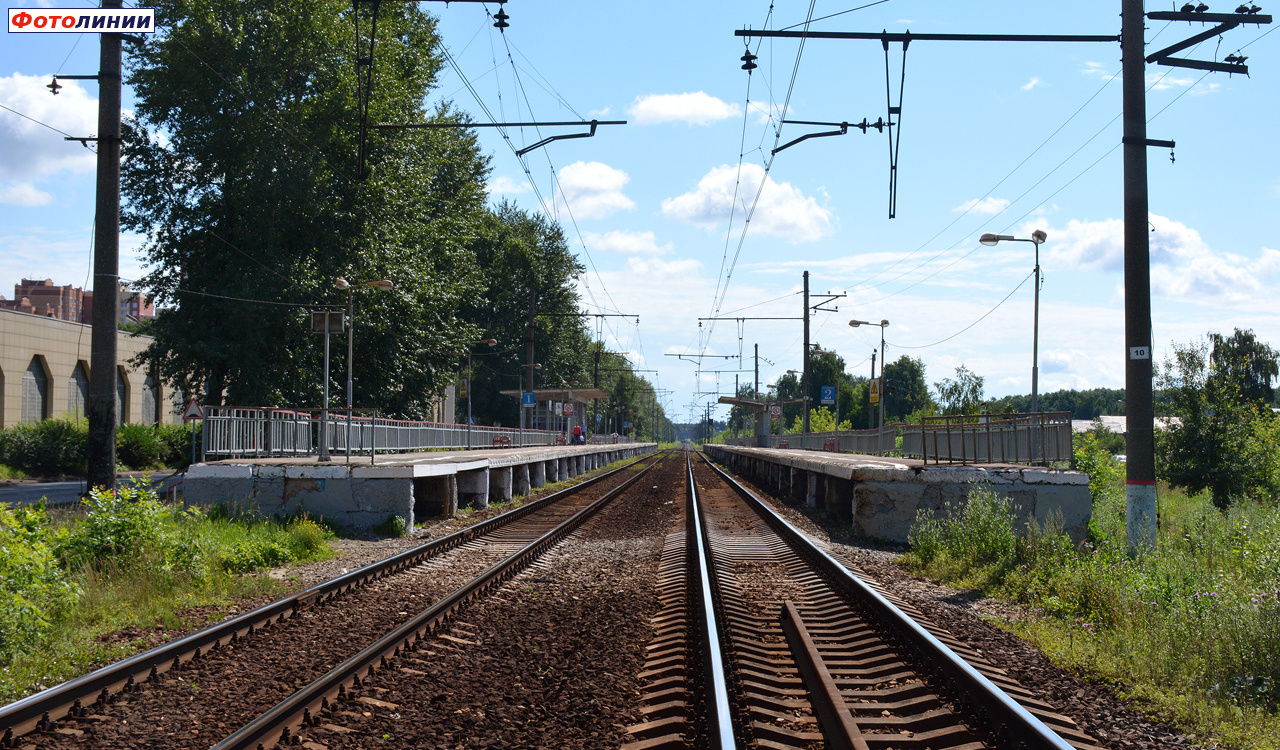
column 1190, row 630
column 127, row 562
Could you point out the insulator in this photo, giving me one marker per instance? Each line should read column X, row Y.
column 1188, row 8
column 748, row 61
column 500, row 19
column 1242, row 9
column 1201, row 8
column 54, row 86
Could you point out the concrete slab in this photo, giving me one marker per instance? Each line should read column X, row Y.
column 881, row 496
column 362, row 494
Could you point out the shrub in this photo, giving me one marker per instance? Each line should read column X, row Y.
column 395, row 526
column 121, row 527
column 176, row 442
column 139, row 446
column 33, row 589
column 46, row 448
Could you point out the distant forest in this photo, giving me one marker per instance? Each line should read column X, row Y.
column 1089, row 404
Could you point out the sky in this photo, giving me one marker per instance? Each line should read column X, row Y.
column 994, row 137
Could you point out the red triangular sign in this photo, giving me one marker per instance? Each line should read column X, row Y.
column 193, row 411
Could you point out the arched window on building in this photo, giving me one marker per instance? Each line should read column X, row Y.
column 35, row 392
column 150, row 395
column 78, row 392
column 122, row 396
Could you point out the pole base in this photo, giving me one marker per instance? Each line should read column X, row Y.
column 1140, row 514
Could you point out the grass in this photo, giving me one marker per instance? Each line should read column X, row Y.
column 127, row 561
column 7, row 472
column 1189, row 630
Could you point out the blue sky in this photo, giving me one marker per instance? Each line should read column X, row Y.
column 995, row 137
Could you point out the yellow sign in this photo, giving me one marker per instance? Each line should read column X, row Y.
column 463, row 385
column 875, row 391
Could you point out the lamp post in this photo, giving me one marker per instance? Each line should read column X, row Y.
column 1037, row 237
column 382, row 285
column 882, row 324
column 470, row 382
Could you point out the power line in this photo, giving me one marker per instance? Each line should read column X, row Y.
column 971, row 325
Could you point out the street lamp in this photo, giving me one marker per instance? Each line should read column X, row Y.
column 382, row 285
column 470, row 382
column 882, row 324
column 1037, row 237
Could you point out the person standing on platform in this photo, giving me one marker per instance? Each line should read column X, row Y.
column 577, row 435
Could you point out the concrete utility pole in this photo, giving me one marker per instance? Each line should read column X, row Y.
column 103, row 361
column 1140, row 486
column 871, row 413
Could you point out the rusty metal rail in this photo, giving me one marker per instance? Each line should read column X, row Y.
column 342, row 683
column 821, row 656
column 74, row 696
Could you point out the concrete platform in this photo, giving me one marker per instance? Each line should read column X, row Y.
column 880, row 496
column 361, row 495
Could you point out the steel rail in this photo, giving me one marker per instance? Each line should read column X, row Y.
column 719, row 713
column 35, row 711
column 1005, row 717
column 300, row 707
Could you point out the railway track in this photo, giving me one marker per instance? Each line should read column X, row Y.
column 197, row 690
column 795, row 651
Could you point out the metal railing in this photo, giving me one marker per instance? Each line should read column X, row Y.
column 1037, row 438
column 1040, row 438
column 266, row 432
column 865, row 442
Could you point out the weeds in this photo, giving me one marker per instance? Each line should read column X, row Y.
column 1192, row 626
column 128, row 561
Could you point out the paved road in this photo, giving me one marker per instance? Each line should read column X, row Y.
column 63, row 493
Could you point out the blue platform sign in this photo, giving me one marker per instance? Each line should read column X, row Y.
column 527, row 399
column 828, row 395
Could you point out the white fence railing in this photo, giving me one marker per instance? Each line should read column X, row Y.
column 264, row 432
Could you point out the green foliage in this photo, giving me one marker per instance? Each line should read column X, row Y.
column 394, row 525
column 1087, row 404
column 963, row 395
column 978, row 534
column 128, row 523
column 33, row 589
column 54, row 447
column 253, row 193
column 128, row 560
column 139, row 446
column 47, row 448
column 906, row 390
column 1226, row 441
column 1194, row 624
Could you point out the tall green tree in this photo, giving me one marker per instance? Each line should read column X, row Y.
column 906, row 388
column 527, row 267
column 962, row 394
column 1224, row 439
column 240, row 171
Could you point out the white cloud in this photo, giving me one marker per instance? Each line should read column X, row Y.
column 1034, row 82
column 783, row 209
column 1183, row 266
column 599, row 112
column 24, row 194
column 1099, row 70
column 697, row 108
column 593, row 190
column 504, row 185
column 29, row 150
column 988, row 205
column 628, row 243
